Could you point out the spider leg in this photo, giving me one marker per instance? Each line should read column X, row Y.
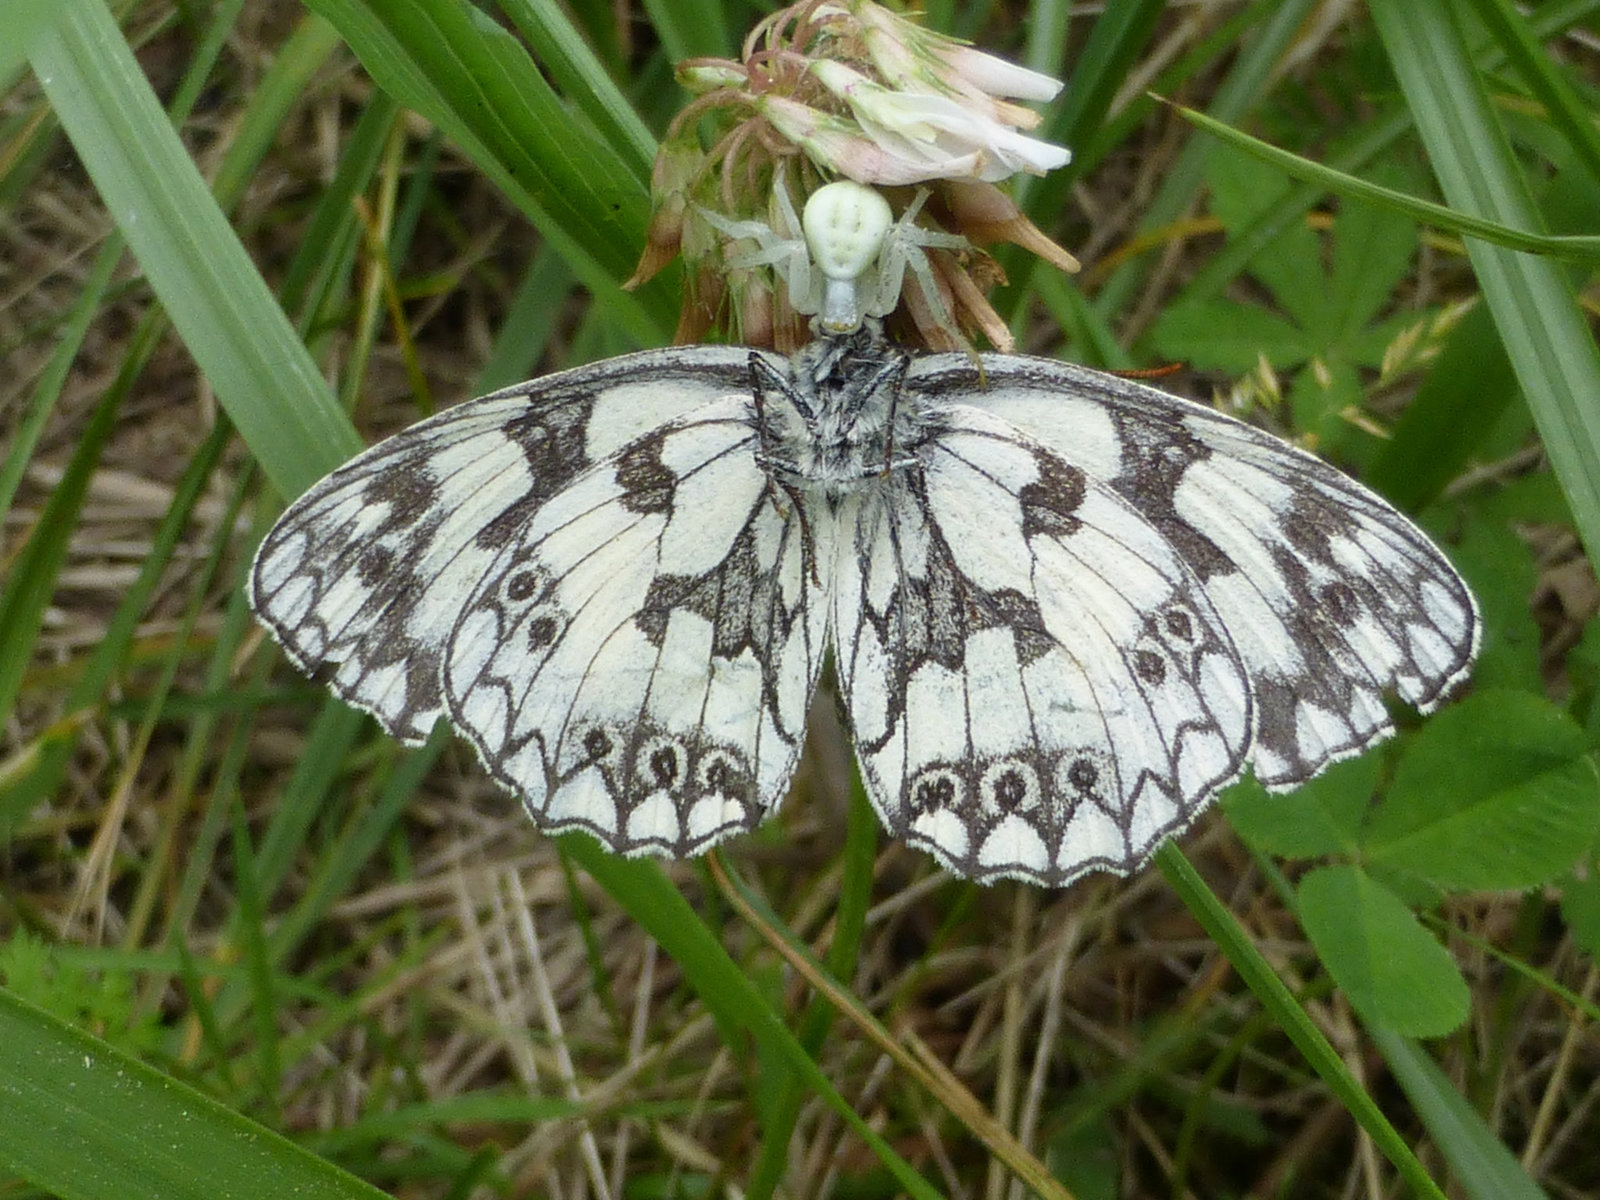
column 754, row 230
column 922, row 268
column 787, row 256
column 884, row 293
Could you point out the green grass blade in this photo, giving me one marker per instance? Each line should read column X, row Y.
column 1425, row 212
column 526, row 329
column 1482, row 1165
column 1248, row 77
column 291, row 72
column 1291, row 1018
column 284, row 80
column 690, row 28
column 320, row 269
column 477, row 83
column 850, row 919
column 210, row 288
column 48, row 389
column 68, row 1103
column 580, row 75
column 1566, row 111
column 1117, row 39
column 25, row 20
column 1540, row 322
column 32, row 578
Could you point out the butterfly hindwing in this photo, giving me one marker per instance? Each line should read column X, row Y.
column 638, row 660
column 1037, row 684
column 1333, row 598
column 362, row 578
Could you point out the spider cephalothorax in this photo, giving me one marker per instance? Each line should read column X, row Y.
column 846, row 259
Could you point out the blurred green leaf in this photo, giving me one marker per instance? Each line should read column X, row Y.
column 1580, row 906
column 1394, row 971
column 1320, row 817
column 1085, row 1159
column 1465, row 390
column 1497, row 564
column 1222, row 335
column 1322, row 322
column 1498, row 791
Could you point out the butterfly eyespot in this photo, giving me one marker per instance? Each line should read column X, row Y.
column 524, row 585
column 543, row 631
column 1011, row 787
column 1083, row 776
column 661, row 764
column 597, row 745
column 1150, row 666
column 934, row 790
column 1179, row 625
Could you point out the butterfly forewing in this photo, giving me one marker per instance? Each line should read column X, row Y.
column 362, row 578
column 638, row 660
column 1333, row 598
column 1037, row 683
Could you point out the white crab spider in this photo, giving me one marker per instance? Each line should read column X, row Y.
column 851, row 261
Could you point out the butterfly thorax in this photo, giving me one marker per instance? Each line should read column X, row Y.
column 834, row 417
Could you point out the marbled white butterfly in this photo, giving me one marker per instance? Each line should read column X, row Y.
column 1063, row 609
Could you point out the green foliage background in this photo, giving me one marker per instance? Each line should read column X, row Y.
column 1429, row 327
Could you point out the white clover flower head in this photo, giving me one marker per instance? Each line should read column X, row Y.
column 847, row 90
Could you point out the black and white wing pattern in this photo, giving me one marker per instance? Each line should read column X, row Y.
column 363, row 577
column 638, row 659
column 1065, row 609
column 1332, row 598
column 1037, row 681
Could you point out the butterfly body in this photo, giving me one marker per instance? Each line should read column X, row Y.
column 1064, row 609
